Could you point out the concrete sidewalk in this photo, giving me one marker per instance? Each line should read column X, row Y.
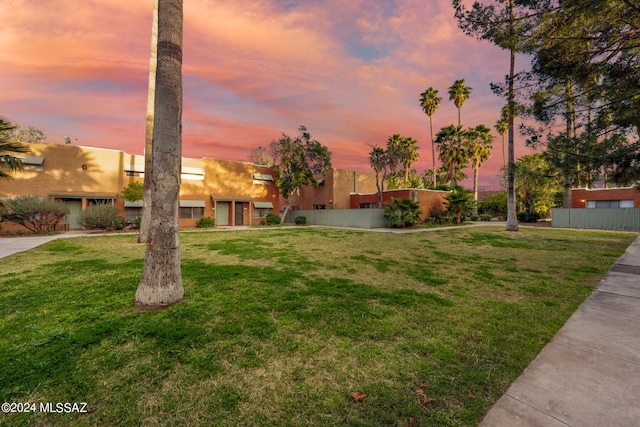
column 589, row 374
column 13, row 245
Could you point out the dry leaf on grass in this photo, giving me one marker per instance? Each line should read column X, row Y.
column 358, row 397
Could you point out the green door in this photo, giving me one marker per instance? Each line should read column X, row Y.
column 74, row 218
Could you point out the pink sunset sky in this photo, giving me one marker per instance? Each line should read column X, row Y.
column 351, row 72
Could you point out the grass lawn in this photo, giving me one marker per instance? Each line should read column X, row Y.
column 280, row 327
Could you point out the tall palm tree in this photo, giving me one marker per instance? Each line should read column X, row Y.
column 459, row 93
column 161, row 283
column 145, row 221
column 378, row 162
column 9, row 149
column 430, row 101
column 480, row 146
column 502, row 127
column 454, row 154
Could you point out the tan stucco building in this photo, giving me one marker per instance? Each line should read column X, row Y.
column 234, row 193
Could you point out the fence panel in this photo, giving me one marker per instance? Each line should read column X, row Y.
column 625, row 219
column 356, row 218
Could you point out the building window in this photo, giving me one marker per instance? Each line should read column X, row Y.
column 262, row 178
column 262, row 209
column 599, row 204
column 261, row 213
column 32, row 163
column 319, row 207
column 367, row 205
column 132, row 213
column 191, row 213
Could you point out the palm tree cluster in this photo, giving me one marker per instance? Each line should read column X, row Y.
column 400, row 152
column 458, row 147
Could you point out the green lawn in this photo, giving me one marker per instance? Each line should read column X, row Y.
column 279, row 327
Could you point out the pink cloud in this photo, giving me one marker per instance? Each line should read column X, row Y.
column 351, row 72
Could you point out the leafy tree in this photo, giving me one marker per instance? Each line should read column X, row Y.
column 508, row 24
column 458, row 202
column 454, row 153
column 480, row 146
column 536, row 183
column 102, row 216
column 13, row 132
column 161, row 283
column 598, row 42
column 133, row 192
column 9, row 149
column 34, row 213
column 298, row 162
column 459, row 93
column 430, row 101
column 402, row 213
column 145, row 220
column 260, row 156
column 378, row 162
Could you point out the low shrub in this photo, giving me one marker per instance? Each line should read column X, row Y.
column 485, row 217
column 272, row 219
column 528, row 216
column 301, row 220
column 402, row 212
column 205, row 222
column 35, row 214
column 101, row 216
column 137, row 222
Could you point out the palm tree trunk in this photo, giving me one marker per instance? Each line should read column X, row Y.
column 161, row 283
column 143, row 233
column 512, row 219
column 433, row 152
column 474, row 211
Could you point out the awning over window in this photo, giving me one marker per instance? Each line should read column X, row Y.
column 263, row 205
column 31, row 160
column 134, row 168
column 136, row 204
column 192, row 204
column 262, row 177
column 88, row 196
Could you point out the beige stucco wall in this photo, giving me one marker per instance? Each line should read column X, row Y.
column 86, row 172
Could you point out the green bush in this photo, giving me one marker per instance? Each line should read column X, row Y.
column 459, row 203
column 272, row 219
column 485, row 217
column 101, row 216
column 402, row 212
column 494, row 205
column 34, row 213
column 528, row 216
column 137, row 222
column 301, row 220
column 205, row 222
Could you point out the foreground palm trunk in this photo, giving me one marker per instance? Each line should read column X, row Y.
column 161, row 283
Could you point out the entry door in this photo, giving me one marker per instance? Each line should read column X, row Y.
column 74, row 218
column 239, row 214
column 222, row 213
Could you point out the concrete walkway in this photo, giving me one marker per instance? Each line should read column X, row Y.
column 13, row 245
column 589, row 374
